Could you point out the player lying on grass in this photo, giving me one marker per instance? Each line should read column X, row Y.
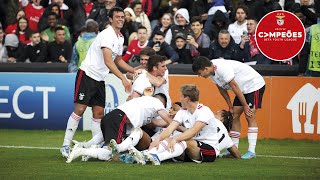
column 127, row 118
column 199, row 141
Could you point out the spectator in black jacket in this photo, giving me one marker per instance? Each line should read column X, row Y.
column 162, row 48
column 100, row 11
column 14, row 49
column 36, row 51
column 219, row 22
column 59, row 50
column 184, row 54
column 226, row 48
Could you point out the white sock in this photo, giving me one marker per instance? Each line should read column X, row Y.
column 71, row 129
column 163, row 146
column 178, row 150
column 100, row 153
column 235, row 137
column 97, row 139
column 95, row 126
column 252, row 138
column 133, row 140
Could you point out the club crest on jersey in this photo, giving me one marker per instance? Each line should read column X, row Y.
column 81, row 96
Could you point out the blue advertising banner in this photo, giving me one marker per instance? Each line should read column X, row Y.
column 36, row 100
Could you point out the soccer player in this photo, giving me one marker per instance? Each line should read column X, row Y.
column 156, row 67
column 125, row 119
column 248, row 86
column 104, row 55
column 199, row 141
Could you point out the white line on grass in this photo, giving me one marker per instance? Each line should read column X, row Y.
column 270, row 156
column 28, row 147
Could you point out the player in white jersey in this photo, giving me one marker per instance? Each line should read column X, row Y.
column 104, row 55
column 248, row 86
column 199, row 141
column 161, row 83
column 156, row 67
column 126, row 119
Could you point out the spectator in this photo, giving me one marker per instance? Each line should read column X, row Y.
column 219, row 22
column 198, row 42
column 14, row 49
column 311, row 11
column 59, row 50
column 226, row 48
column 200, row 8
column 162, row 48
column 252, row 7
column 183, row 53
column 141, row 17
column 81, row 47
column 146, row 6
column 23, row 31
column 266, row 6
column 130, row 26
column 254, row 54
column 170, row 7
column 34, row 12
column 3, row 57
column 87, row 4
column 181, row 24
column 225, row 6
column 239, row 27
column 314, row 56
column 48, row 34
column 100, row 11
column 166, row 22
column 53, row 7
column 136, row 45
column 11, row 28
column 35, row 51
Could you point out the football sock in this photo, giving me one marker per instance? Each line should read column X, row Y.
column 95, row 126
column 100, row 153
column 162, row 147
column 71, row 129
column 235, row 136
column 178, row 150
column 133, row 140
column 252, row 138
column 97, row 139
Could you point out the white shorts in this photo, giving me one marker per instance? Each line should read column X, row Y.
column 157, row 134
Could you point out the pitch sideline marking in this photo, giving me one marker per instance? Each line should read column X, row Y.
column 55, row 148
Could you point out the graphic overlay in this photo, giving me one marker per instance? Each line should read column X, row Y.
column 280, row 35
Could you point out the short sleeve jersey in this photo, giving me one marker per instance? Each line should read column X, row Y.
column 140, row 111
column 202, row 114
column 94, row 64
column 141, row 83
column 224, row 139
column 164, row 88
column 245, row 76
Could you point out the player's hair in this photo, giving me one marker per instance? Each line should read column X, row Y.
column 191, row 91
column 196, row 19
column 154, row 61
column 148, row 51
column 178, row 103
column 227, row 119
column 200, row 63
column 113, row 10
column 163, row 97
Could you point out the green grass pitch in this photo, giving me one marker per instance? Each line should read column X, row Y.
column 278, row 159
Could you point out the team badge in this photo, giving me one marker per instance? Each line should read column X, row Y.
column 81, row 96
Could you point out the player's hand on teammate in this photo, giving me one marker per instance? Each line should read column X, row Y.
column 137, row 73
column 154, row 144
column 171, row 143
column 127, row 85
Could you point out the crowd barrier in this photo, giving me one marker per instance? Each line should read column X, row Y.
column 290, row 107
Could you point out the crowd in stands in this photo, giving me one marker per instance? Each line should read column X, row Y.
column 52, row 31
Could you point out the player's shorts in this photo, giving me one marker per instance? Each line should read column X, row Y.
column 89, row 91
column 207, row 153
column 254, row 99
column 113, row 125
